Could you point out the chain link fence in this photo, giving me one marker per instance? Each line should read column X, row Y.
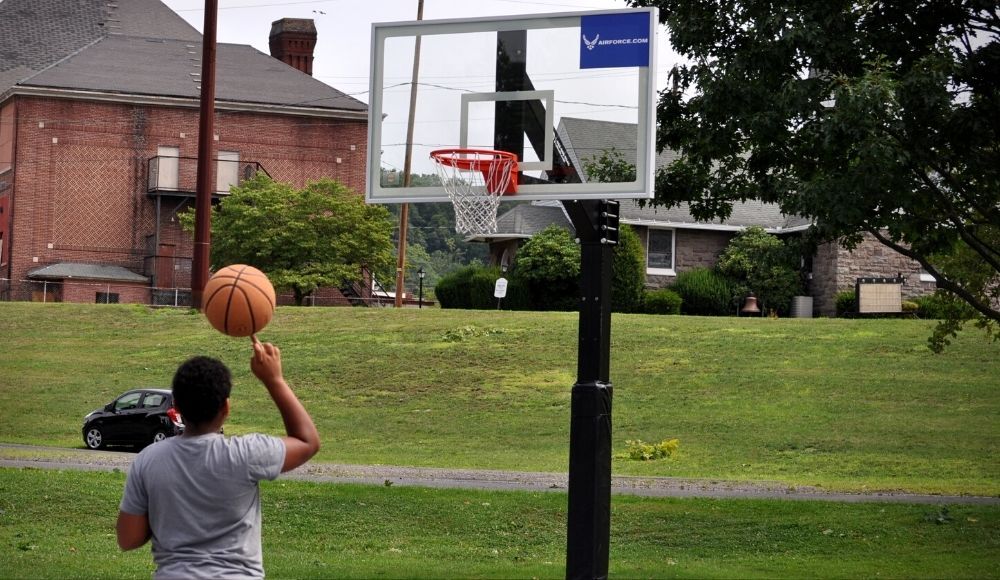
column 95, row 292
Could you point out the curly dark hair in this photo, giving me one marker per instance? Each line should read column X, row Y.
column 201, row 386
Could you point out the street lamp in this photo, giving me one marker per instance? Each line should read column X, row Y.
column 420, row 295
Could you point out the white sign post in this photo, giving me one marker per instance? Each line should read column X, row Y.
column 500, row 290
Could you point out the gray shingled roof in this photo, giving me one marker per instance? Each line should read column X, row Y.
column 745, row 214
column 64, row 270
column 171, row 68
column 142, row 48
column 526, row 220
column 35, row 34
column 585, row 139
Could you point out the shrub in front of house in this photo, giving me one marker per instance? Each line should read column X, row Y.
column 469, row 287
column 628, row 272
column 662, row 301
column 846, row 303
column 942, row 306
column 704, row 292
column 549, row 266
column 758, row 262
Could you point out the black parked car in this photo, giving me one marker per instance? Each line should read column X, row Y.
column 136, row 418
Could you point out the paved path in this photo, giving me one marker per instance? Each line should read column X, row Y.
column 12, row 455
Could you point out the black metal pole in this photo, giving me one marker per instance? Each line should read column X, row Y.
column 589, row 510
column 420, row 297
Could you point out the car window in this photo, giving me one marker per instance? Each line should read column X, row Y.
column 153, row 400
column 129, row 401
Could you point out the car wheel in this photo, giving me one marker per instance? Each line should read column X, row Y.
column 160, row 435
column 94, row 438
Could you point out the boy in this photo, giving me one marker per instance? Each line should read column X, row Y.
column 197, row 496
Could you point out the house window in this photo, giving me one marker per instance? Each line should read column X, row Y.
column 926, row 276
column 228, row 173
column 660, row 252
column 106, row 298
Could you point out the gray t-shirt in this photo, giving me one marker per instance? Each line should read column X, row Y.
column 203, row 502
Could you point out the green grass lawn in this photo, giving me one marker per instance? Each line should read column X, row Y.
column 844, row 404
column 57, row 524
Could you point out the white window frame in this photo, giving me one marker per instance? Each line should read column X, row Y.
column 926, row 276
column 673, row 253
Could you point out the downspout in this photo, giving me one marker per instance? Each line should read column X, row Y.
column 10, row 206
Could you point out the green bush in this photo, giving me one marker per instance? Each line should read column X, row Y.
column 704, row 292
column 518, row 294
column 941, row 306
column 628, row 272
column 761, row 263
column 549, row 265
column 846, row 303
column 469, row 287
column 639, row 450
column 662, row 301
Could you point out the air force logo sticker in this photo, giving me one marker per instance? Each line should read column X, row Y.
column 615, row 40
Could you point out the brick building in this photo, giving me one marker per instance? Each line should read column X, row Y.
column 99, row 117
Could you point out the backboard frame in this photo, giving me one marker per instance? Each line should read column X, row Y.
column 641, row 188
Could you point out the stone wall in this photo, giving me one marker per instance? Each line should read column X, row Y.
column 692, row 249
column 836, row 270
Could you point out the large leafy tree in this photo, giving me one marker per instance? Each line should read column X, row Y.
column 871, row 117
column 304, row 239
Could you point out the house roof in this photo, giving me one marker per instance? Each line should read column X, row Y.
column 35, row 34
column 744, row 214
column 526, row 220
column 140, row 48
column 63, row 270
column 585, row 139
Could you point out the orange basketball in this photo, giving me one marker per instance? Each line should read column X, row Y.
column 238, row 300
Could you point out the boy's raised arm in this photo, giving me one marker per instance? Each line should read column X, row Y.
column 302, row 439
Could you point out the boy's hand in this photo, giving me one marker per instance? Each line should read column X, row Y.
column 266, row 362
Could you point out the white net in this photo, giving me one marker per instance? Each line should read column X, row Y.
column 475, row 180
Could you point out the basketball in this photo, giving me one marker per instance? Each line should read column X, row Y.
column 238, row 300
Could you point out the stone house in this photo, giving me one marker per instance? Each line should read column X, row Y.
column 99, row 123
column 674, row 241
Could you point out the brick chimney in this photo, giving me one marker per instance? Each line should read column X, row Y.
column 292, row 41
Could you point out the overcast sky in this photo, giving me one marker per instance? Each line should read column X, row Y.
column 344, row 27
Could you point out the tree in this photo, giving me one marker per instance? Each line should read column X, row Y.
column 870, row 117
column 609, row 167
column 628, row 267
column 628, row 272
column 760, row 263
column 303, row 239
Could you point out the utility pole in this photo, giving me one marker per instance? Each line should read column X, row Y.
column 206, row 136
column 404, row 210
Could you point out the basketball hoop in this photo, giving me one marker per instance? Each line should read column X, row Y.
column 475, row 179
